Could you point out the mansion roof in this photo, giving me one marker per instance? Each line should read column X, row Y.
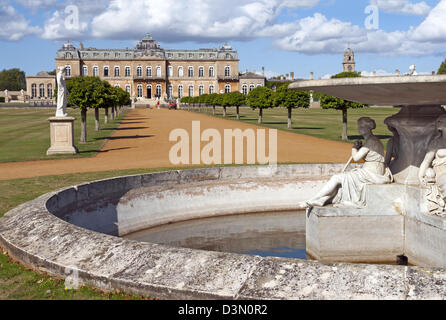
column 146, row 49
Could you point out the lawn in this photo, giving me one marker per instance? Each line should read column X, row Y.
column 25, row 134
column 319, row 123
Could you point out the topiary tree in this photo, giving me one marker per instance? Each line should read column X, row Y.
column 442, row 69
column 211, row 101
column 260, row 98
column 328, row 102
column 234, row 99
column 84, row 94
column 291, row 99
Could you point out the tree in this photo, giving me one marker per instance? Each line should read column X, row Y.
column 234, row 99
column 84, row 93
column 442, row 69
column 291, row 99
column 12, row 80
column 211, row 101
column 260, row 98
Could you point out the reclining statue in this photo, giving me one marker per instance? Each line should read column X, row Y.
column 347, row 189
column 432, row 172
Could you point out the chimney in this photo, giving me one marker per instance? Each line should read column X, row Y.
column 374, row 73
column 311, row 75
column 255, row 71
column 397, row 72
column 292, row 75
column 287, row 76
column 263, row 71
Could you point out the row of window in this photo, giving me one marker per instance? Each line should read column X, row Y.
column 42, row 91
column 251, row 87
column 158, row 92
column 148, row 71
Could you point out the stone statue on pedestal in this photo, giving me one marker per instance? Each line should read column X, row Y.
column 61, row 94
column 347, row 189
column 432, row 172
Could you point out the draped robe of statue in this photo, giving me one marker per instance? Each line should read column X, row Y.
column 61, row 95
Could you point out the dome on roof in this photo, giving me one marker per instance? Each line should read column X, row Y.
column 226, row 47
column 43, row 74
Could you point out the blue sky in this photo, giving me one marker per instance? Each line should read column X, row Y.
column 302, row 36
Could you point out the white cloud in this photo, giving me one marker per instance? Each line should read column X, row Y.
column 433, row 28
column 13, row 26
column 402, row 6
column 37, row 4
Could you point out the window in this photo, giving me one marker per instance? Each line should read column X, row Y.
column 211, row 89
column 191, row 91
column 251, row 87
column 50, row 91
column 128, row 89
column 139, row 91
column 180, row 72
column 227, row 88
column 127, row 71
column 227, row 71
column 158, row 72
column 201, row 72
column 85, row 71
column 169, row 91
column 117, row 85
column 106, row 71
column 180, row 91
column 42, row 90
column 68, row 71
column 245, row 89
column 190, row 72
column 170, row 71
column 33, row 90
column 200, row 90
column 149, row 91
column 211, row 72
column 95, row 72
column 117, row 72
column 149, row 71
column 159, row 90
column 139, row 72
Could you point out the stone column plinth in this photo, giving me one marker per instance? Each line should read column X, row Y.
column 415, row 126
column 62, row 136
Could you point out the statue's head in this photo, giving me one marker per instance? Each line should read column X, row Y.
column 366, row 125
column 61, row 68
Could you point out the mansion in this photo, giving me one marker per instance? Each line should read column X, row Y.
column 149, row 72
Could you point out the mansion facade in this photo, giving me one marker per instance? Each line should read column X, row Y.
column 149, row 72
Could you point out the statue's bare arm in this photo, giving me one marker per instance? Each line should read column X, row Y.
column 430, row 156
column 359, row 154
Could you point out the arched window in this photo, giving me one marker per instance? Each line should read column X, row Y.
column 149, row 91
column 127, row 71
column 211, row 89
column 106, row 71
column 117, row 72
column 211, row 72
column 191, row 91
column 85, row 71
column 33, row 90
column 49, row 89
column 227, row 71
column 42, row 90
column 139, row 91
column 259, row 85
column 201, row 72
column 95, row 71
column 170, row 71
column 180, row 91
column 180, row 72
column 158, row 72
column 227, row 88
column 139, row 71
column 149, row 71
column 68, row 71
column 200, row 90
column 245, row 89
column 251, row 87
column 190, row 72
column 169, row 91
column 159, row 90
column 117, row 85
column 128, row 88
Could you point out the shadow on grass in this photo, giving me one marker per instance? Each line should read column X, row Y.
column 125, row 137
column 380, row 136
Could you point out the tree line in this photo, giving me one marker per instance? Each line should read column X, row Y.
column 262, row 98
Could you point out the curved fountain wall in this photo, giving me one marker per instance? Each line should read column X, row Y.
column 76, row 229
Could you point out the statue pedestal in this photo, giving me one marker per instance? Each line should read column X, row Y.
column 62, row 136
